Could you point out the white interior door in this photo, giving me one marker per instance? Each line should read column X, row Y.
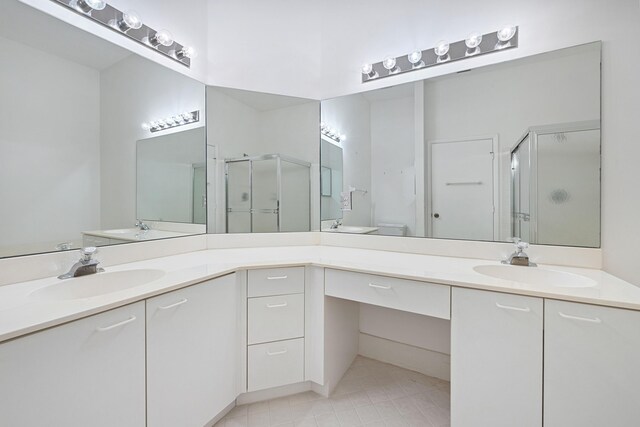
column 462, row 189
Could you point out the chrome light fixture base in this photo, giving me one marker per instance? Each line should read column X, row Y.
column 112, row 18
column 489, row 43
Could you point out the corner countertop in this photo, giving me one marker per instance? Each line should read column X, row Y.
column 135, row 234
column 21, row 314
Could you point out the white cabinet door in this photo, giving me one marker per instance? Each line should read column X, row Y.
column 85, row 373
column 192, row 353
column 591, row 366
column 496, row 359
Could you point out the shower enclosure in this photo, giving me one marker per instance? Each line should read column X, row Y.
column 555, row 185
column 268, row 193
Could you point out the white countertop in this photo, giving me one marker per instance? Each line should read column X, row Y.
column 135, row 234
column 21, row 314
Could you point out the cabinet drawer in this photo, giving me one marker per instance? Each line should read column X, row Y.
column 406, row 295
column 275, row 281
column 275, row 364
column 275, row 318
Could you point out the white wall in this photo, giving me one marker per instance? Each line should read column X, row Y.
column 393, row 196
column 50, row 139
column 134, row 91
column 268, row 46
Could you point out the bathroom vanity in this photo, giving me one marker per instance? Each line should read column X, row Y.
column 235, row 325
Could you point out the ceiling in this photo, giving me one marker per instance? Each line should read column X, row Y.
column 262, row 101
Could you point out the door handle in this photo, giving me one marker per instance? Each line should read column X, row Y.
column 175, row 304
column 436, row 215
column 116, row 325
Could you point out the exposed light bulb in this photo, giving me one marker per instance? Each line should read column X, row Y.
column 130, row 21
column 506, row 33
column 343, row 137
column 389, row 63
column 162, row 37
column 473, row 40
column 187, row 52
column 367, row 69
column 146, row 126
column 442, row 48
column 86, row 6
column 415, row 57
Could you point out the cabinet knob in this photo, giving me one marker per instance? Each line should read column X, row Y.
column 436, row 215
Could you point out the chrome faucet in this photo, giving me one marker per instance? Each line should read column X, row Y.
column 519, row 257
column 337, row 223
column 141, row 225
column 85, row 265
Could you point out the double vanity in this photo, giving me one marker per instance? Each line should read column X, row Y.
column 182, row 339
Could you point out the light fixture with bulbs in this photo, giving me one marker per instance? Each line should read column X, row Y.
column 181, row 119
column 444, row 52
column 130, row 24
column 331, row 133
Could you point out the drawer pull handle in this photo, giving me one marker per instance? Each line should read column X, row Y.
column 276, row 353
column 276, row 277
column 115, row 325
column 373, row 285
column 284, row 304
column 510, row 307
column 582, row 319
column 175, row 304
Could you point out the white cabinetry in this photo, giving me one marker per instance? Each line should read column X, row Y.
column 496, row 359
column 591, row 366
column 85, row 373
column 192, row 355
column 276, row 327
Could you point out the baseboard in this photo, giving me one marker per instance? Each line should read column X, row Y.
column 417, row 359
column 221, row 415
column 273, row 393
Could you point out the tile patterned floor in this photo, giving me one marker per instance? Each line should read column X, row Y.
column 371, row 394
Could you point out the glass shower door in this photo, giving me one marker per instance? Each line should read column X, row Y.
column 265, row 206
column 238, row 195
column 521, row 198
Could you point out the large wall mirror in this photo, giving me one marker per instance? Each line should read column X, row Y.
column 76, row 167
column 507, row 150
column 262, row 162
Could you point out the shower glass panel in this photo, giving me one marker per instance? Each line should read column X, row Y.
column 556, row 185
column 238, row 197
column 268, row 193
column 568, row 188
column 521, row 174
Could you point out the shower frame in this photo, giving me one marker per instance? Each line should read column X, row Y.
column 277, row 211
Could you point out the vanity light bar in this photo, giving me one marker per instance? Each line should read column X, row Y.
column 172, row 122
column 130, row 24
column 332, row 133
column 474, row 45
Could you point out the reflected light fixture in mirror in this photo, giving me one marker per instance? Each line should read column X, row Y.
column 331, row 133
column 182, row 119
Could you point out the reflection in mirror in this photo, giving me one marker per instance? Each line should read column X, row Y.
column 502, row 151
column 331, row 180
column 262, row 154
column 74, row 104
column 171, row 178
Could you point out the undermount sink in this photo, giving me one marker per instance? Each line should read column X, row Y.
column 96, row 284
column 536, row 276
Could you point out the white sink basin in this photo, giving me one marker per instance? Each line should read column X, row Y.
column 96, row 284
column 536, row 276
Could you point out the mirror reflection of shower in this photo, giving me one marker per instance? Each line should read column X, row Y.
column 555, row 185
column 267, row 193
